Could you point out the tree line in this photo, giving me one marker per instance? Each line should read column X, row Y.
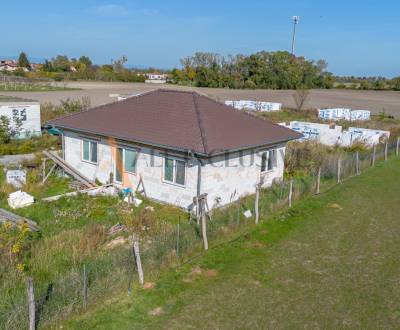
column 276, row 70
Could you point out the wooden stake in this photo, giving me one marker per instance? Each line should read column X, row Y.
column 256, row 202
column 386, row 149
column 204, row 228
column 318, row 180
column 397, row 146
column 374, row 155
column 43, row 169
column 137, row 258
column 339, row 169
column 85, row 289
column 290, row 192
column 31, row 303
column 177, row 238
column 357, row 163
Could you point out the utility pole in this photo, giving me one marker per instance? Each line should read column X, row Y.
column 295, row 22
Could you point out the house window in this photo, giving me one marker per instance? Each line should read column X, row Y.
column 130, row 160
column 174, row 171
column 89, row 151
column 268, row 160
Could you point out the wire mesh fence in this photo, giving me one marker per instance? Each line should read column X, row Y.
column 115, row 272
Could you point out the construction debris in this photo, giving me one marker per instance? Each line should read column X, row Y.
column 58, row 161
column 116, row 229
column 17, row 178
column 20, row 199
column 106, row 190
column 6, row 216
column 247, row 214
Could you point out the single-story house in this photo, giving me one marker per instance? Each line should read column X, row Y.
column 182, row 144
column 25, row 112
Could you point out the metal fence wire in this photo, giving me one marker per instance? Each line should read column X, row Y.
column 115, row 272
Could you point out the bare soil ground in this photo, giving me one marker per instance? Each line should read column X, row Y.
column 99, row 93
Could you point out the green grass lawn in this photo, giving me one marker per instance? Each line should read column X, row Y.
column 330, row 262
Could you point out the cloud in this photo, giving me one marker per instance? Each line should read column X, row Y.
column 111, row 10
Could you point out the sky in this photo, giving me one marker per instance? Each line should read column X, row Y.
column 355, row 37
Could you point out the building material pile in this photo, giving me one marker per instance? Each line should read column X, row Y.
column 20, row 199
column 344, row 114
column 17, row 178
column 334, row 134
column 254, row 105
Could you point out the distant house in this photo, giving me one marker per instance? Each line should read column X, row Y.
column 182, row 144
column 25, row 111
column 156, row 78
column 8, row 67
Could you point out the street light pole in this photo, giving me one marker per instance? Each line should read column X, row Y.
column 295, row 22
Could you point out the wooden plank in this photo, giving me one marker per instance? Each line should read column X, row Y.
column 68, row 169
column 74, row 193
column 6, row 216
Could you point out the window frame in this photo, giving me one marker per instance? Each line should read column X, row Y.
column 124, row 148
column 90, row 141
column 175, row 160
column 274, row 162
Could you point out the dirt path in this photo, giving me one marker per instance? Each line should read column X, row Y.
column 99, row 93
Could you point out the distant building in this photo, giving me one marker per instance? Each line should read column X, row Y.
column 344, row 114
column 156, row 78
column 27, row 111
column 254, row 105
column 8, row 67
column 36, row 66
column 334, row 134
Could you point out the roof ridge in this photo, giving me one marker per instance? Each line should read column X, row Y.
column 103, row 105
column 200, row 122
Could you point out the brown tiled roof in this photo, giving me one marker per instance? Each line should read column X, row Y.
column 177, row 120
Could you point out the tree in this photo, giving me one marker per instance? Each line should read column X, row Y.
column 118, row 65
column 86, row 60
column 61, row 63
column 23, row 61
column 300, row 97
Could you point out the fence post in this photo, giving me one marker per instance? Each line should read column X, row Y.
column 357, row 163
column 177, row 237
column 137, row 258
column 386, row 149
column 374, row 155
column 339, row 169
column 397, row 146
column 290, row 191
column 31, row 303
column 318, row 180
column 256, row 202
column 85, row 289
column 204, row 229
column 238, row 212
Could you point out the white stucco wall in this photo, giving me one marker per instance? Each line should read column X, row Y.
column 31, row 126
column 149, row 165
column 220, row 179
column 226, row 178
